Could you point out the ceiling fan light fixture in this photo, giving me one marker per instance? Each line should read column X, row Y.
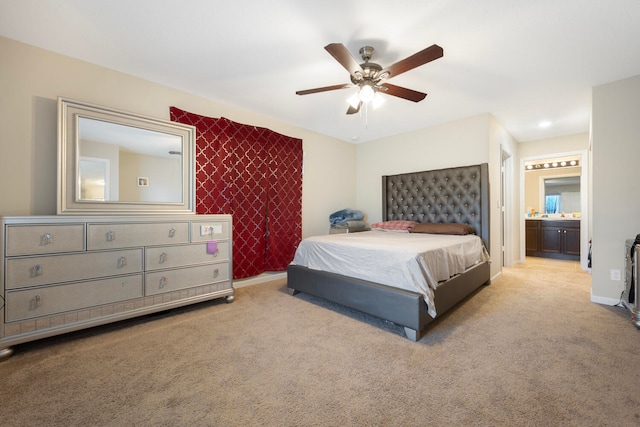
column 354, row 100
column 366, row 93
column 367, row 78
column 378, row 100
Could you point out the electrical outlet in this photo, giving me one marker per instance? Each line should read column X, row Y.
column 615, row 274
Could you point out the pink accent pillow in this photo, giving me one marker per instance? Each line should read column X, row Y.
column 397, row 225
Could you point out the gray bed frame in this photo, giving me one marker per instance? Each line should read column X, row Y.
column 459, row 195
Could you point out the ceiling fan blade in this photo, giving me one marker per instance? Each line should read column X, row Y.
column 322, row 89
column 401, row 92
column 342, row 55
column 417, row 59
column 352, row 110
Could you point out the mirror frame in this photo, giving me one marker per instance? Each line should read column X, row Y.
column 68, row 202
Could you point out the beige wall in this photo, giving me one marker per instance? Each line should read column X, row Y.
column 31, row 79
column 468, row 141
column 161, row 172
column 562, row 144
column 616, row 201
column 463, row 142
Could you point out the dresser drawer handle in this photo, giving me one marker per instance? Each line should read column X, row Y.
column 172, row 232
column 46, row 239
column 163, row 257
column 36, row 270
column 122, row 261
column 36, row 302
column 163, row 282
column 216, row 273
column 111, row 236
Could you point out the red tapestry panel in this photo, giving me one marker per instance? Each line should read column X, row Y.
column 284, row 201
column 254, row 174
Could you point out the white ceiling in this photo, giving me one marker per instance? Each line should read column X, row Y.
column 524, row 61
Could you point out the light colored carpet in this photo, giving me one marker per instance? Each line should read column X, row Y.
column 528, row 350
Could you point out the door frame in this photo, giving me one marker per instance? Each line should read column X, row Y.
column 585, row 192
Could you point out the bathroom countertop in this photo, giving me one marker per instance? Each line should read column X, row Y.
column 554, row 218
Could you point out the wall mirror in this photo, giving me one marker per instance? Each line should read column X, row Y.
column 115, row 162
column 561, row 194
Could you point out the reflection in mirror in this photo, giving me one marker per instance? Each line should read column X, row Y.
column 562, row 194
column 115, row 162
column 112, row 157
column 94, row 179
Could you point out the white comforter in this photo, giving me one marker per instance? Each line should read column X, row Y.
column 411, row 261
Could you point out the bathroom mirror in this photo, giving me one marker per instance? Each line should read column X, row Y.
column 115, row 162
column 561, row 194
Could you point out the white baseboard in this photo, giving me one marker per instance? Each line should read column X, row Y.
column 496, row 276
column 605, row 300
column 261, row 278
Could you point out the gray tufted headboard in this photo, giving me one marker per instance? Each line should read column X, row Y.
column 458, row 195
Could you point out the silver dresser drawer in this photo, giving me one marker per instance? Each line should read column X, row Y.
column 183, row 255
column 127, row 235
column 210, row 230
column 181, row 278
column 44, row 301
column 43, row 270
column 41, row 239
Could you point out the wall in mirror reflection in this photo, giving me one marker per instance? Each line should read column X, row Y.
column 112, row 159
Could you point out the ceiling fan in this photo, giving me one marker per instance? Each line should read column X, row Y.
column 370, row 78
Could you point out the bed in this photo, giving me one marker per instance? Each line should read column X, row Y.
column 457, row 195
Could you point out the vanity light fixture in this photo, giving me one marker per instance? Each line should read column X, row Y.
column 552, row 165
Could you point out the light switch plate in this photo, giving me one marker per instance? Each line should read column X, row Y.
column 210, row 230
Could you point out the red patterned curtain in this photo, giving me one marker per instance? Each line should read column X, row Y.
column 254, row 174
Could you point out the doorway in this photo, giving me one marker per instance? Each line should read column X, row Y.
column 537, row 201
column 507, row 207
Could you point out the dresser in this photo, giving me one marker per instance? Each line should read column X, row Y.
column 65, row 273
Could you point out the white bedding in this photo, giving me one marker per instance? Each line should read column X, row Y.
column 412, row 261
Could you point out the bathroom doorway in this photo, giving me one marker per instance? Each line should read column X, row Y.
column 553, row 178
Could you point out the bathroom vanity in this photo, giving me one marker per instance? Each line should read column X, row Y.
column 557, row 238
